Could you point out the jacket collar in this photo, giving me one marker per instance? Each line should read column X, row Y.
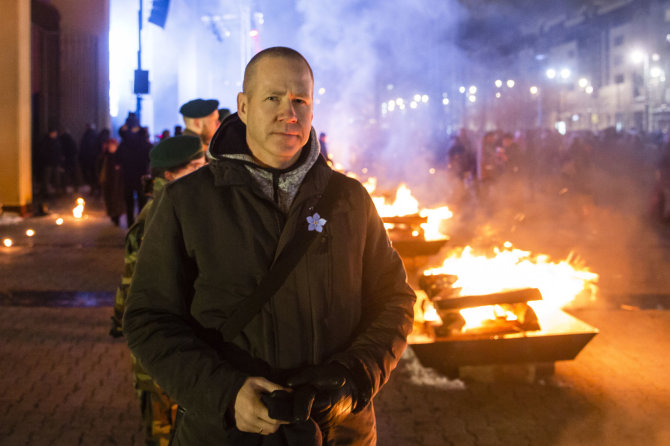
column 233, row 164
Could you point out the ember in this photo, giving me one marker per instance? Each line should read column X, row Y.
column 7, row 242
column 78, row 210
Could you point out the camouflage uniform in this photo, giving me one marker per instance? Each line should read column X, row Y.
column 156, row 406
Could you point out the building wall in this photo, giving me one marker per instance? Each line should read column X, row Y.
column 84, row 47
column 15, row 150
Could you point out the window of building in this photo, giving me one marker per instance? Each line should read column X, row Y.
column 618, row 40
column 619, row 79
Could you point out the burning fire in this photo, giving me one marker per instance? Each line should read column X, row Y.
column 405, row 204
column 78, row 210
column 510, row 268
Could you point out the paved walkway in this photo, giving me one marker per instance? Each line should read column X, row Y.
column 64, row 381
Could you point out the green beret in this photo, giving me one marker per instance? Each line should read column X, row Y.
column 175, row 151
column 199, row 108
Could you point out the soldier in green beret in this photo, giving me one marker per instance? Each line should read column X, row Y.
column 201, row 117
column 170, row 159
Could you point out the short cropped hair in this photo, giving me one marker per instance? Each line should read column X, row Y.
column 276, row 51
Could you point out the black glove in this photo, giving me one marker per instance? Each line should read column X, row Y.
column 326, row 393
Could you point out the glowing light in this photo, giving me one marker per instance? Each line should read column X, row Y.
column 413, row 104
column 498, row 83
column 566, row 73
column 533, row 90
column 78, row 210
column 575, row 117
column 445, row 101
column 510, row 83
column 424, row 98
column 253, row 33
column 461, row 89
column 561, row 127
column 551, row 73
column 498, row 95
column 472, row 98
column 389, row 87
column 401, row 106
column 59, row 221
column 364, row 170
column 30, row 232
column 638, row 56
column 472, row 89
column 583, row 82
column 322, row 90
column 656, row 72
column 655, row 57
column 417, row 98
column 391, row 106
column 431, row 171
column 588, row 89
column 404, row 204
column 435, row 218
column 8, row 242
column 559, row 282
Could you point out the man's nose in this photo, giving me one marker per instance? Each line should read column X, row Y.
column 287, row 111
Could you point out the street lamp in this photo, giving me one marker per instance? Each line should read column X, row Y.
column 639, row 56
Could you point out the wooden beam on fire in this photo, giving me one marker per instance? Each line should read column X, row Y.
column 504, row 297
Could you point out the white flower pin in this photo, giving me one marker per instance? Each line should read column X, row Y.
column 315, row 222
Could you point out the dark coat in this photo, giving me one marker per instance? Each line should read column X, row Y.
column 111, row 181
column 212, row 237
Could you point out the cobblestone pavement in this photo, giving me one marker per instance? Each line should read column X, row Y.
column 64, row 381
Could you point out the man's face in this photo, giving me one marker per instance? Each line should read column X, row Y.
column 209, row 125
column 277, row 109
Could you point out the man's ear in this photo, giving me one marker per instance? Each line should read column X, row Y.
column 242, row 104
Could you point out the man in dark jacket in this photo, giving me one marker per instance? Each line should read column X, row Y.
column 304, row 369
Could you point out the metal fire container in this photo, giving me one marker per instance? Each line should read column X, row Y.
column 524, row 340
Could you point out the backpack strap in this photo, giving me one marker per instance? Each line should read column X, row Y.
column 282, row 267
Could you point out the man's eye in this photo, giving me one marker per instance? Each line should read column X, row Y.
column 271, row 98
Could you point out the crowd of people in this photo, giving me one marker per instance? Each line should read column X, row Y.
column 504, row 164
column 116, row 169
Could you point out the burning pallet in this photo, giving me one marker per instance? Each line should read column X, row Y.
column 512, row 333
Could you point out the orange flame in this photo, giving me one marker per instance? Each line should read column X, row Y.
column 78, row 210
column 405, row 204
column 559, row 282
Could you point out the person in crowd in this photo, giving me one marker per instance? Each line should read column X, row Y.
column 164, row 135
column 172, row 158
column 134, row 156
column 111, row 180
column 89, row 152
column 201, row 118
column 461, row 166
column 298, row 360
column 178, row 130
column 71, row 174
column 323, row 142
column 223, row 114
column 50, row 156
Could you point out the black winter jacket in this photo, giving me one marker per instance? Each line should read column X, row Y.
column 213, row 236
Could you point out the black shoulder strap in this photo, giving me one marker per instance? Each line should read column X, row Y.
column 283, row 266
